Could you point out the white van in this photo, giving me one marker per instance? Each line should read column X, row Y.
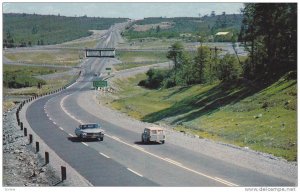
column 153, row 134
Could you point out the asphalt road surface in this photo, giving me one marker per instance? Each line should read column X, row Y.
column 121, row 159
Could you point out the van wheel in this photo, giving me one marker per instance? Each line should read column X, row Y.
column 162, row 142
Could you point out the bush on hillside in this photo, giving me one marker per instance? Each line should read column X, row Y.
column 155, row 78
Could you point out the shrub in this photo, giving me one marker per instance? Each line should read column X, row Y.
column 155, row 78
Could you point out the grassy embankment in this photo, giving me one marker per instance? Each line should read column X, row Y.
column 27, row 71
column 50, row 57
column 131, row 59
column 137, row 59
column 237, row 113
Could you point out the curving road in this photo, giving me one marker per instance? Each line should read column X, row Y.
column 121, row 160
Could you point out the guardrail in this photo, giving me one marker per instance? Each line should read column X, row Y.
column 54, row 181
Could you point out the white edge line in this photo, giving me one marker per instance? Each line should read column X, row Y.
column 135, row 172
column 116, row 138
column 227, row 182
column 172, row 161
column 85, row 144
column 137, row 147
column 179, row 165
column 104, row 155
column 61, row 128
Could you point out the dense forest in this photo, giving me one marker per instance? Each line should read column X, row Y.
column 201, row 26
column 20, row 30
column 269, row 32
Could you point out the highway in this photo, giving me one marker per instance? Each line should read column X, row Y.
column 121, row 159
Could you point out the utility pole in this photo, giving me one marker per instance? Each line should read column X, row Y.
column 215, row 50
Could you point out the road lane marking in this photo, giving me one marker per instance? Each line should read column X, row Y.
column 229, row 183
column 64, row 109
column 54, row 122
column 85, row 144
column 67, row 112
column 134, row 172
column 176, row 164
column 137, row 147
column 173, row 162
column 104, row 155
column 159, row 157
column 61, row 128
column 115, row 138
column 71, row 135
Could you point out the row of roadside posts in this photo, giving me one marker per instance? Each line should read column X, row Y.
column 30, row 139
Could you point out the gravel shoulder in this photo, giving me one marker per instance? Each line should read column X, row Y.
column 243, row 157
column 21, row 165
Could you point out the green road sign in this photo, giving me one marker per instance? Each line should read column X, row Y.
column 100, row 83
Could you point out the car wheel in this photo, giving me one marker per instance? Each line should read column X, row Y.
column 143, row 141
column 162, row 142
column 101, row 138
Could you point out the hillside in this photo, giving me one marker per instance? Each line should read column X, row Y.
column 32, row 29
column 179, row 26
column 238, row 112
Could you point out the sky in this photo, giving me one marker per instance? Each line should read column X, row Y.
column 130, row 10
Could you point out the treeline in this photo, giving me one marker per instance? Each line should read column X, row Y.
column 20, row 30
column 205, row 67
column 199, row 26
column 269, row 31
column 20, row 79
column 24, row 76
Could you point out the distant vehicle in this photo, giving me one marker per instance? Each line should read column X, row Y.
column 90, row 131
column 153, row 134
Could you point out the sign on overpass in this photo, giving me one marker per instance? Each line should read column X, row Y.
column 99, row 83
column 100, row 52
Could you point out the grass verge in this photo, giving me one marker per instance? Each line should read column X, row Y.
column 11, row 95
column 48, row 57
column 132, row 59
column 236, row 112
